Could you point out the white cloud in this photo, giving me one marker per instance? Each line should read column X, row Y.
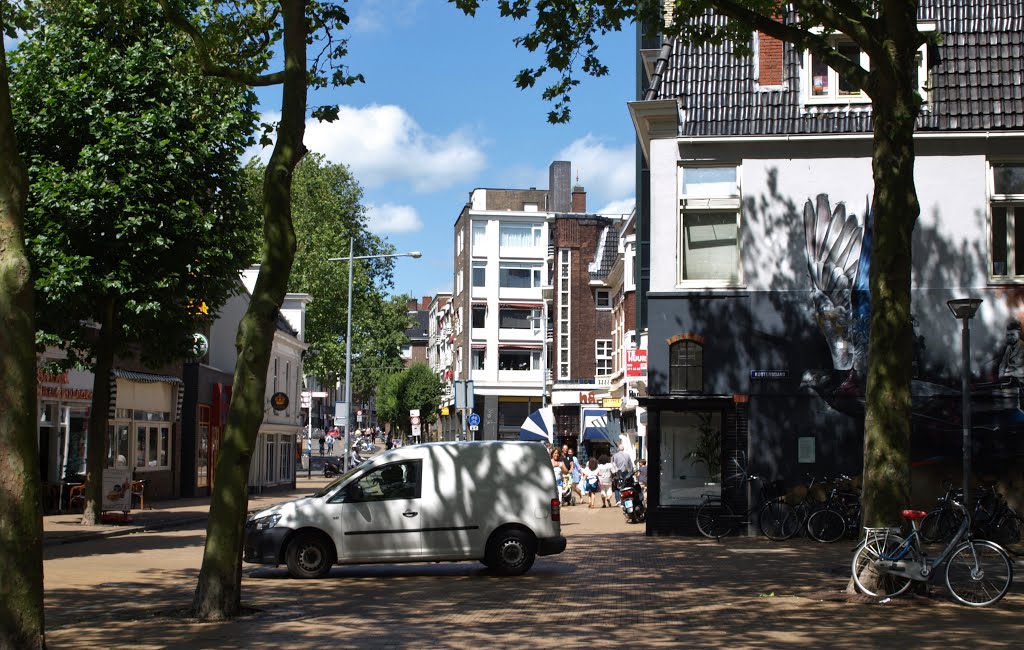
column 615, row 208
column 605, row 171
column 380, row 15
column 390, row 218
column 384, row 144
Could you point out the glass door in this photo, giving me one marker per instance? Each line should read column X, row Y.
column 691, row 451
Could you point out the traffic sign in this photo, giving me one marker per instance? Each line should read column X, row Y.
column 474, row 419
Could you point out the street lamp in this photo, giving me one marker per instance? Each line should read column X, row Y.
column 964, row 310
column 348, row 335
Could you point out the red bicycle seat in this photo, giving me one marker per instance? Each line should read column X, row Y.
column 914, row 514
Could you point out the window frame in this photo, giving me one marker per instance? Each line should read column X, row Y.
column 478, row 272
column 607, row 293
column 675, row 388
column 808, row 99
column 534, row 269
column 473, row 311
column 603, row 357
column 1012, row 203
column 707, row 204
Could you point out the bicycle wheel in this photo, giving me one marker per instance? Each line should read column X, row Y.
column 778, row 520
column 978, row 573
column 715, row 518
column 826, row 526
column 939, row 526
column 872, row 579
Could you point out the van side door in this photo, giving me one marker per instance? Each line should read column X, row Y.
column 376, row 516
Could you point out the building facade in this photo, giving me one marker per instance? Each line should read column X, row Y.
column 758, row 189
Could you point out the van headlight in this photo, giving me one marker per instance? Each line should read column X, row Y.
column 263, row 523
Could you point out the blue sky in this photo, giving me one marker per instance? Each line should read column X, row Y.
column 440, row 115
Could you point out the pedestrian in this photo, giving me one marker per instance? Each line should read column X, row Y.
column 577, row 477
column 623, row 468
column 605, row 472
column 642, row 476
column 592, row 484
column 321, row 446
column 330, row 445
column 568, row 457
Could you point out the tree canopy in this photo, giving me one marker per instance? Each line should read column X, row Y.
column 327, row 212
column 415, row 388
column 135, row 218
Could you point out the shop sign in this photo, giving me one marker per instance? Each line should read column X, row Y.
column 636, row 364
column 55, row 386
column 279, row 401
column 588, row 398
column 117, row 489
column 611, row 403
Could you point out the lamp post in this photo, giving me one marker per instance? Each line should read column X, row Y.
column 348, row 335
column 964, row 310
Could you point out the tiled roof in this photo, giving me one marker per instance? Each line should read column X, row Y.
column 421, row 329
column 606, row 255
column 976, row 84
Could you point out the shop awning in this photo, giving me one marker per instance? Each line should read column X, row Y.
column 145, row 376
column 596, row 426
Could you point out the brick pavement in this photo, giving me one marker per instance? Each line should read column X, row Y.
column 613, row 587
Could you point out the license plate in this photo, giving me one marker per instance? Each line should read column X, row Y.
column 628, row 503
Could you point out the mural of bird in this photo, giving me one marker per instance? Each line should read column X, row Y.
column 834, row 243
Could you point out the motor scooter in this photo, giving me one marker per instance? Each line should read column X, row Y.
column 631, row 496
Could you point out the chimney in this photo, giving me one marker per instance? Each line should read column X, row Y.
column 559, row 177
column 411, row 305
column 579, row 199
column 425, row 303
column 769, row 58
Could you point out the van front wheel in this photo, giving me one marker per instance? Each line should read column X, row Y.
column 309, row 556
column 510, row 552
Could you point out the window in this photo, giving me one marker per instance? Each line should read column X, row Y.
column 287, row 459
column 827, row 84
column 151, row 446
column 530, row 207
column 479, row 316
column 458, row 244
column 477, row 359
column 691, row 450
column 479, row 237
column 405, row 352
column 516, row 318
column 709, row 225
column 603, row 298
column 479, row 274
column 823, row 85
column 603, row 357
column 686, row 367
column 518, row 359
column 117, row 444
column 519, row 238
column 519, row 276
column 392, row 481
column 1007, row 219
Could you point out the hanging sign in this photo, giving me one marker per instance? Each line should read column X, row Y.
column 279, row 401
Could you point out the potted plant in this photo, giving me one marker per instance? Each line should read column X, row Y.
column 708, row 451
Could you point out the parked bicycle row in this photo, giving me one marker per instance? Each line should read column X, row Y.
column 828, row 510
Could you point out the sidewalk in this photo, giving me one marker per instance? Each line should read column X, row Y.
column 66, row 528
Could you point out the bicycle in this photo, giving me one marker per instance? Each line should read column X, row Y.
column 716, row 518
column 978, row 572
column 993, row 518
column 840, row 515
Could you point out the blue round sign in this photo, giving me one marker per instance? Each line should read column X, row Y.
column 474, row 420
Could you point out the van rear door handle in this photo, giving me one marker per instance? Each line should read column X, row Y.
column 409, row 513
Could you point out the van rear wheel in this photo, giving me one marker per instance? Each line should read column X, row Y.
column 309, row 555
column 510, row 552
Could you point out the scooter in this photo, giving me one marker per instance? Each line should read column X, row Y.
column 332, row 468
column 631, row 496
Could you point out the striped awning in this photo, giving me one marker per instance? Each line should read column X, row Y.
column 145, row 376
column 519, row 305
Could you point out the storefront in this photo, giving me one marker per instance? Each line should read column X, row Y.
column 64, row 401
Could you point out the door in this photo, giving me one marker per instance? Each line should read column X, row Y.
column 377, row 515
column 690, row 456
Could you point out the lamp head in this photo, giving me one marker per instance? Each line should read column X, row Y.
column 415, row 254
column 964, row 308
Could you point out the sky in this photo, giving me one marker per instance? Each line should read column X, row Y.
column 440, row 115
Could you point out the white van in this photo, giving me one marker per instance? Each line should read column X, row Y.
column 496, row 502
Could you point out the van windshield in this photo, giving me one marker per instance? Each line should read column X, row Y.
column 327, row 489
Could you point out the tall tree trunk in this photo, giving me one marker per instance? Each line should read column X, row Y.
column 96, row 440
column 21, row 526
column 218, row 593
column 895, row 208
